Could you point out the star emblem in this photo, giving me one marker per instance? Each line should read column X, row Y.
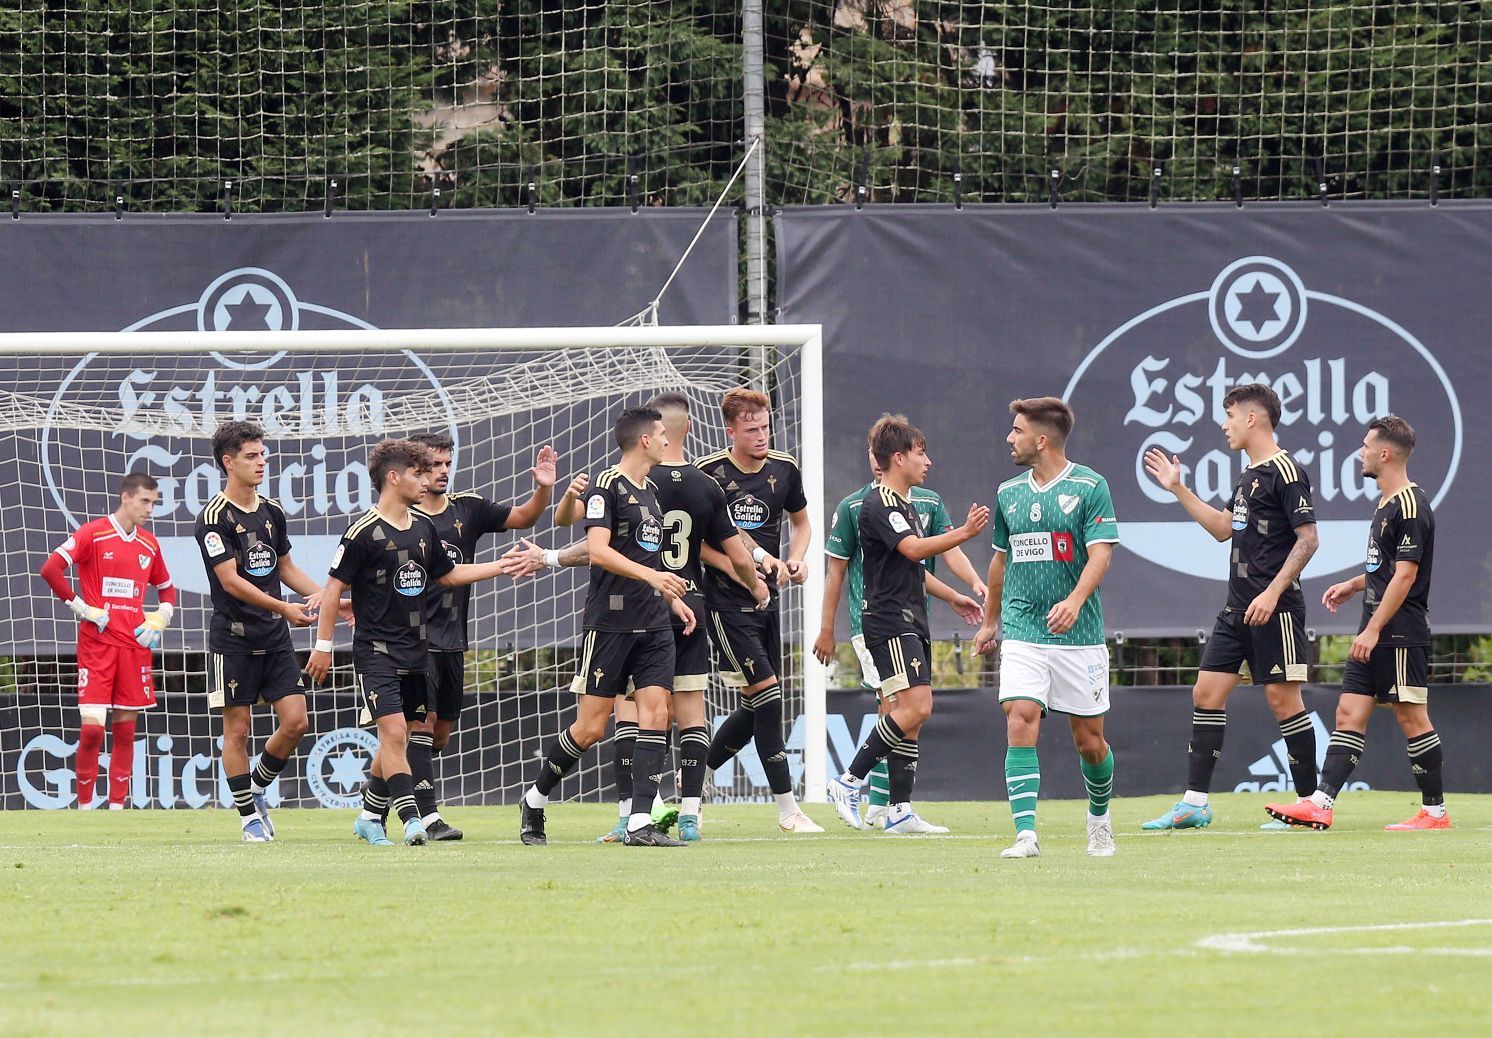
column 1257, row 306
column 347, row 770
column 247, row 315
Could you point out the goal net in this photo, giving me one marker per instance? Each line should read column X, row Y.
column 78, row 411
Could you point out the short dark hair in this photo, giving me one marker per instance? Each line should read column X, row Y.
column 1393, row 429
column 892, row 434
column 1047, row 411
column 741, row 401
column 137, row 481
column 436, row 441
column 633, row 424
column 1256, row 393
column 391, row 455
column 670, row 400
column 230, row 438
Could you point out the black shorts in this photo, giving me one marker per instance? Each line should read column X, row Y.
column 749, row 643
column 246, row 679
column 613, row 663
column 902, row 662
column 1269, row 654
column 387, row 691
column 448, row 679
column 691, row 665
column 1393, row 674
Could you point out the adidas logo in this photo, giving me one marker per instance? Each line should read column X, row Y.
column 424, row 784
column 1276, row 669
column 1272, row 771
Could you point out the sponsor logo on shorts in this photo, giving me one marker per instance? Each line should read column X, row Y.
column 410, row 579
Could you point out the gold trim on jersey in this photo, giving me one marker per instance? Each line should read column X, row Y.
column 1408, row 502
column 1281, row 460
column 783, row 456
column 372, row 515
column 891, row 498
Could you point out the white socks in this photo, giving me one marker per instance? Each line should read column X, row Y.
column 533, row 798
column 690, row 806
column 787, row 804
column 1195, row 799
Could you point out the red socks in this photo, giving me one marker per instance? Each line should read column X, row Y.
column 90, row 741
column 121, row 760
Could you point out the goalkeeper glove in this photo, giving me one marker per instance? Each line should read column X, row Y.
column 148, row 634
column 89, row 614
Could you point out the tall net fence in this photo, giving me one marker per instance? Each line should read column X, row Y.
column 165, row 104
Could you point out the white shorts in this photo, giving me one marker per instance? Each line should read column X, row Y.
column 869, row 677
column 1070, row 679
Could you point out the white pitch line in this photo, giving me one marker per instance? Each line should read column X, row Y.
column 1253, row 941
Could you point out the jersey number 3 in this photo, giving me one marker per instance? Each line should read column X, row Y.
column 677, row 526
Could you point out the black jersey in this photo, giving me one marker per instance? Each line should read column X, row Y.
column 631, row 513
column 1403, row 531
column 895, row 596
column 1270, row 500
column 256, row 539
column 390, row 572
column 694, row 512
column 465, row 519
column 757, row 501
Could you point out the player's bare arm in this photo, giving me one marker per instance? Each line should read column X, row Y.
column 1394, row 595
column 570, row 507
column 326, row 621
column 824, row 645
column 919, row 548
column 526, row 558
column 524, row 516
column 295, row 613
column 1167, row 472
column 1061, row 617
column 1335, row 595
column 988, row 635
column 1262, row 607
column 960, row 566
column 598, row 540
column 731, row 566
column 963, row 605
column 797, row 546
column 683, row 612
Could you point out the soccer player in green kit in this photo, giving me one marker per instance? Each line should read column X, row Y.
column 1054, row 533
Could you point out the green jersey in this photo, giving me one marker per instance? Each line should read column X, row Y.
column 844, row 539
column 1045, row 533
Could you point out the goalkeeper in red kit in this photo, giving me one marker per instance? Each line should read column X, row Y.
column 116, row 559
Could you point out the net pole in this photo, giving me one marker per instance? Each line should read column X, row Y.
column 815, row 674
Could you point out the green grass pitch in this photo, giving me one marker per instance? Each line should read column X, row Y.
column 161, row 923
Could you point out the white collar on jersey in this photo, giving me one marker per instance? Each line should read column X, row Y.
column 120, row 530
column 1059, row 477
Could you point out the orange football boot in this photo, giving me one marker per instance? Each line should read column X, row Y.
column 1423, row 820
column 1303, row 812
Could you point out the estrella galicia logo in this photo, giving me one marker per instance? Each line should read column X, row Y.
column 1375, row 557
column 260, row 560
column 340, row 759
column 748, row 512
column 1240, row 512
column 650, row 533
column 1336, row 364
column 452, row 552
column 409, row 579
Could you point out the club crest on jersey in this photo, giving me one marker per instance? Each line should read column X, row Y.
column 409, row 581
column 676, row 475
column 650, row 533
column 1067, row 502
column 748, row 512
column 144, row 560
column 260, row 560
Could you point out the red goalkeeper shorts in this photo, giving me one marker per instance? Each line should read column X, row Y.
column 117, row 676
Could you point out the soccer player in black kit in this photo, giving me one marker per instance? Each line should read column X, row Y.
column 628, row 629
column 761, row 485
column 1390, row 657
column 246, row 549
column 1259, row 636
column 696, row 526
column 390, row 557
column 461, row 520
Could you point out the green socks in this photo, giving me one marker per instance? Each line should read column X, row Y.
column 1099, row 779
column 880, row 785
column 1022, row 783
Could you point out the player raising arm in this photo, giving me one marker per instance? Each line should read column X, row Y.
column 388, row 558
column 116, row 559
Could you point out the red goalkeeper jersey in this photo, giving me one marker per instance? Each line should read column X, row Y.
column 114, row 568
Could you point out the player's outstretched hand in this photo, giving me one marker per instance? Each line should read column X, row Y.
column 797, row 570
column 523, row 559
column 1061, row 617
column 544, row 471
column 668, row 585
column 297, row 614
column 1337, row 594
column 986, row 639
column 970, row 610
column 978, row 519
column 683, row 612
column 1165, row 471
column 318, row 666
column 824, row 647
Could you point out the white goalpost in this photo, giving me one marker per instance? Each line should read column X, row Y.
column 80, row 410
